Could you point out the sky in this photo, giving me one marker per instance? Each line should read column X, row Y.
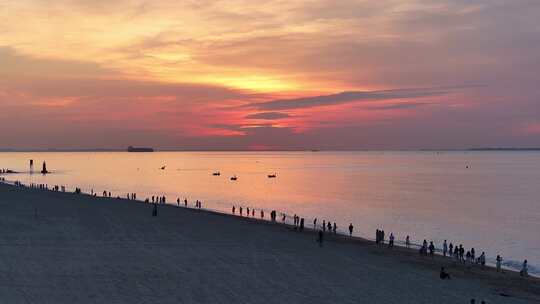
column 258, row 75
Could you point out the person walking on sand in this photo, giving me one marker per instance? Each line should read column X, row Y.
column 472, row 255
column 382, row 237
column 329, row 227
column 450, row 249
column 524, row 269
column 431, row 248
column 302, row 224
column 498, row 263
column 350, row 229
column 315, row 223
column 262, row 214
column 185, row 202
column 323, row 226
column 320, row 238
column 391, row 240
column 444, row 248
column 407, row 242
column 334, row 228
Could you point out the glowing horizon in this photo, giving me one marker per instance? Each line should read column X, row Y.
column 241, row 74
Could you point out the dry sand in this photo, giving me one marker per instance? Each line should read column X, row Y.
column 67, row 248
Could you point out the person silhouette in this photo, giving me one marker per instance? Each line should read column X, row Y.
column 482, row 259
column 498, row 263
column 431, row 248
column 524, row 269
column 407, row 242
column 445, row 248
column 443, row 274
column 350, row 229
column 391, row 240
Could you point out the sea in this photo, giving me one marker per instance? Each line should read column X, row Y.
column 487, row 200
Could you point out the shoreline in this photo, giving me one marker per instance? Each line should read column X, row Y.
column 495, row 284
column 513, row 266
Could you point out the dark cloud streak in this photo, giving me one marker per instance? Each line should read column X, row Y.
column 268, row 115
column 348, row 97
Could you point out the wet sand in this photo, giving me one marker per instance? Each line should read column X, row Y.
column 67, row 248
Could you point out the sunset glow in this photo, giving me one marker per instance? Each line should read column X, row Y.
column 273, row 75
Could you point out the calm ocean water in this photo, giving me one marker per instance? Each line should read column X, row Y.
column 493, row 205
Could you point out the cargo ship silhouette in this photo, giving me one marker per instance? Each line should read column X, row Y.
column 139, row 149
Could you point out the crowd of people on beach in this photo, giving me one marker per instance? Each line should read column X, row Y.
column 379, row 238
column 462, row 256
column 458, row 253
column 252, row 213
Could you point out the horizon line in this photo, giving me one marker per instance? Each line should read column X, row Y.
column 472, row 149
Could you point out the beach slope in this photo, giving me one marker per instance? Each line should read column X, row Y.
column 67, row 248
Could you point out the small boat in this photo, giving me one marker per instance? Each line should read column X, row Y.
column 216, row 173
column 272, row 175
column 233, row 178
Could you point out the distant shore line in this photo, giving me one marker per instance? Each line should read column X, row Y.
column 486, row 149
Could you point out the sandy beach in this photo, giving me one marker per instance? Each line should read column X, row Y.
column 67, row 248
